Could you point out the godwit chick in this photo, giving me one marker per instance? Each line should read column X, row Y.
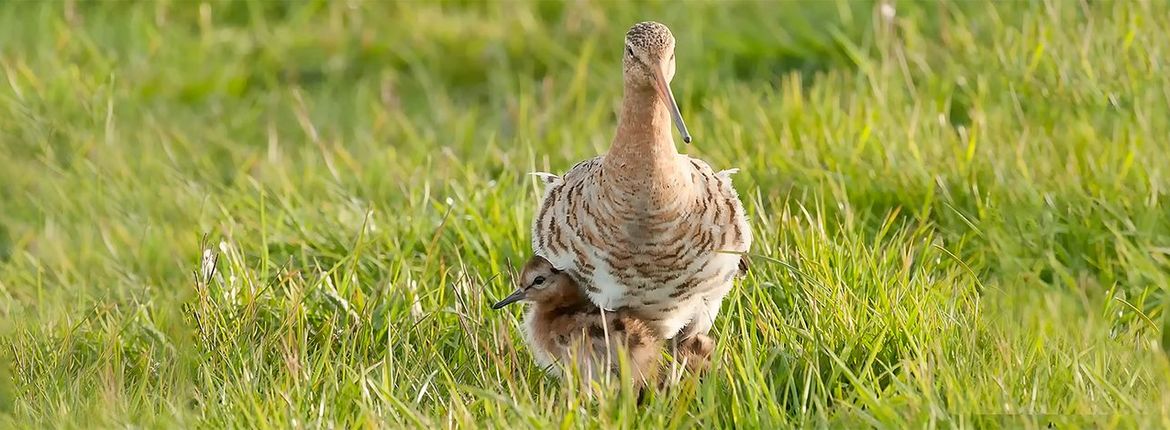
column 564, row 327
column 642, row 226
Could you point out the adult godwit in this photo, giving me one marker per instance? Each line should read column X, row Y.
column 643, row 227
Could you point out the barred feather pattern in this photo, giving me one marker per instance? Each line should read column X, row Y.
column 673, row 263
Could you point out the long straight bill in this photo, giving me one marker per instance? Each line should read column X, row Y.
column 668, row 97
column 516, row 296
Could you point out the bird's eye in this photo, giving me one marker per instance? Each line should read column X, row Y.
column 539, row 280
column 629, row 51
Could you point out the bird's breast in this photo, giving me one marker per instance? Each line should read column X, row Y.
column 651, row 252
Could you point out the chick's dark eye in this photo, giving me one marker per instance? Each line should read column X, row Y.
column 539, row 280
column 629, row 51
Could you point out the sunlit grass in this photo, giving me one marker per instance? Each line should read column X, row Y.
column 960, row 211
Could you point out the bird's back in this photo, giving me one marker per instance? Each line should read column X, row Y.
column 661, row 260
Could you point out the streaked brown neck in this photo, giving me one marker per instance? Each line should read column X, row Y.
column 643, row 157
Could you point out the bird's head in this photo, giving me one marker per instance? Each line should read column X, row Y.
column 540, row 282
column 648, row 63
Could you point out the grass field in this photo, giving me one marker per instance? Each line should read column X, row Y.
column 274, row 215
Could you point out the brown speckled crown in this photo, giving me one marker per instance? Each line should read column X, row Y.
column 649, row 35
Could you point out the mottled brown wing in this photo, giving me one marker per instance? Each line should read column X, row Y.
column 555, row 229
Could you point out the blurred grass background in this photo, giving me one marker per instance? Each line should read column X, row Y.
column 960, row 209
